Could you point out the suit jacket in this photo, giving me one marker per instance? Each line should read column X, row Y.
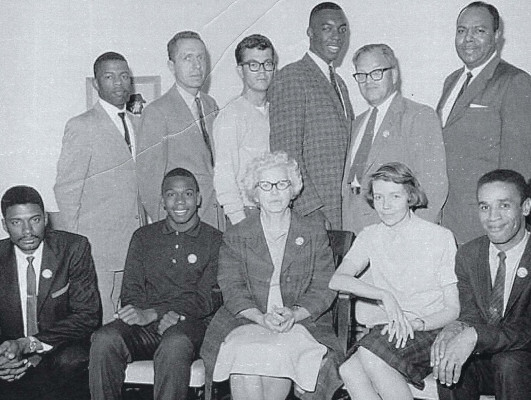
column 409, row 133
column 96, row 187
column 489, row 128
column 244, row 273
column 68, row 303
column 513, row 331
column 170, row 138
column 308, row 122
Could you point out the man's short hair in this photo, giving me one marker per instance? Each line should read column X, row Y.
column 20, row 195
column 384, row 49
column 180, row 172
column 507, row 176
column 400, row 174
column 327, row 5
column 172, row 44
column 109, row 56
column 255, row 41
column 493, row 11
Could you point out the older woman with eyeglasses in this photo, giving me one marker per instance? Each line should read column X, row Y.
column 275, row 327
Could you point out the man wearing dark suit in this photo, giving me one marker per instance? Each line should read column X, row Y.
column 393, row 129
column 96, row 186
column 488, row 349
column 486, row 118
column 310, row 115
column 176, row 130
column 50, row 304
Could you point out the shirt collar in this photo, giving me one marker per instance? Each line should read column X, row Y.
column 111, row 109
column 382, row 108
column 323, row 66
column 516, row 250
column 187, row 97
column 476, row 71
column 193, row 231
column 22, row 257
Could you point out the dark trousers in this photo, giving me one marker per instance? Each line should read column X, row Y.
column 60, row 375
column 506, row 375
column 117, row 343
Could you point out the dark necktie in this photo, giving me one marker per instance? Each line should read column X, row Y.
column 462, row 90
column 31, row 310
column 203, row 128
column 360, row 160
column 333, row 80
column 126, row 131
column 496, row 296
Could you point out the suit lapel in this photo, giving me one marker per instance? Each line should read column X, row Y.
column 447, row 89
column 477, row 86
column 482, row 276
column 355, row 132
column 109, row 129
column 182, row 109
column 49, row 262
column 10, row 289
column 388, row 126
column 520, row 283
column 322, row 80
column 295, row 242
column 258, row 245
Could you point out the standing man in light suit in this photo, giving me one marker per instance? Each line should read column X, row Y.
column 176, row 130
column 310, row 115
column 485, row 110
column 394, row 129
column 96, row 186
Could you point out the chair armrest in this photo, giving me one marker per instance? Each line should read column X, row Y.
column 344, row 322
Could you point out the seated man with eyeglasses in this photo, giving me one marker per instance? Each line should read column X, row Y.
column 241, row 129
column 394, row 129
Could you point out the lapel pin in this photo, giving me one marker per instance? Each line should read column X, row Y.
column 385, row 134
column 521, row 272
column 47, row 274
column 192, row 258
column 299, row 241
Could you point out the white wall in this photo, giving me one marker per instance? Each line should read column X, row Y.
column 48, row 48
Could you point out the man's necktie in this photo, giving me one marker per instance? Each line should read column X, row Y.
column 126, row 131
column 203, row 128
column 333, row 80
column 360, row 160
column 31, row 310
column 496, row 296
column 462, row 90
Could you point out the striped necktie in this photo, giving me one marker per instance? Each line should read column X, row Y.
column 204, row 131
column 496, row 296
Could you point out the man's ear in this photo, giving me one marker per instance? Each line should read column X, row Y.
column 4, row 225
column 95, row 84
column 526, row 207
column 309, row 32
column 199, row 200
column 171, row 66
column 239, row 70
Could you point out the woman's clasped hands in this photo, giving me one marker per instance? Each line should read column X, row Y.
column 281, row 319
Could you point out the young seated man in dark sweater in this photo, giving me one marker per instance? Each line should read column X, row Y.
column 170, row 270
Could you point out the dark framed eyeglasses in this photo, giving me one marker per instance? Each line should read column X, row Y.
column 267, row 186
column 254, row 66
column 375, row 74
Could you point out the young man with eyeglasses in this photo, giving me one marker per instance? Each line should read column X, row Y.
column 394, row 129
column 241, row 130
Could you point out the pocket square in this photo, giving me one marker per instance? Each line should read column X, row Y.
column 478, row 106
column 61, row 291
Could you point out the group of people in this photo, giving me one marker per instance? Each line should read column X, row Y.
column 188, row 197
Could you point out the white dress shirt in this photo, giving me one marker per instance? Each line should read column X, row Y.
column 113, row 111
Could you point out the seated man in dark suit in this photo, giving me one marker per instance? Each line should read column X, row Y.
column 50, row 304
column 488, row 349
column 170, row 270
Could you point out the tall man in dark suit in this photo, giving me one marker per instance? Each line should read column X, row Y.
column 96, row 186
column 50, row 304
column 393, row 129
column 488, row 349
column 485, row 109
column 310, row 115
column 176, row 130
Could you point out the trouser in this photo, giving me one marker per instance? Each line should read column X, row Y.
column 60, row 375
column 117, row 343
column 506, row 375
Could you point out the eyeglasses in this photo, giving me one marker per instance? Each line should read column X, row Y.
column 267, row 186
column 254, row 66
column 375, row 74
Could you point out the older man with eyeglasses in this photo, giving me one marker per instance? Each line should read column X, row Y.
column 393, row 129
